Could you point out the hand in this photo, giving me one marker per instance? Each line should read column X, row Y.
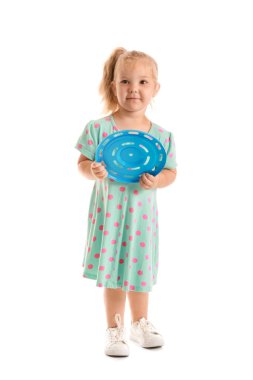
column 98, row 170
column 148, row 181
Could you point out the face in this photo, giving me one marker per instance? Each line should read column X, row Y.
column 135, row 85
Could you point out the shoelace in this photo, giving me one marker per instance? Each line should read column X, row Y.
column 117, row 333
column 147, row 326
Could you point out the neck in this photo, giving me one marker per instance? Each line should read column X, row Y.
column 125, row 118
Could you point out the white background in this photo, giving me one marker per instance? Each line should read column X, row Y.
column 52, row 320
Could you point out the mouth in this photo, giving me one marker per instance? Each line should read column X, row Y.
column 133, row 98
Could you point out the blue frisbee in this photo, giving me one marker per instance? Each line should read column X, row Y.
column 128, row 154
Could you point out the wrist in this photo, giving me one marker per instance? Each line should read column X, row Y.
column 160, row 179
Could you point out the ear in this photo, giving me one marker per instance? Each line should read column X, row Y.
column 156, row 89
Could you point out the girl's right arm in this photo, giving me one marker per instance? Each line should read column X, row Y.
column 91, row 169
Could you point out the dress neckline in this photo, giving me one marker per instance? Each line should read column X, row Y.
column 115, row 126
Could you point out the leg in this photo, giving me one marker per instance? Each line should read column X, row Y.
column 138, row 302
column 115, row 300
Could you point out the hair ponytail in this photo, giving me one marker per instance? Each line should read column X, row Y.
column 105, row 88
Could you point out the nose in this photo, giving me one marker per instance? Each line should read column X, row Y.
column 133, row 91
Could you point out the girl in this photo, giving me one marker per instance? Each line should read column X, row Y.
column 121, row 251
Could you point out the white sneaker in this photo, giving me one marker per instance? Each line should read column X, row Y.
column 116, row 344
column 145, row 334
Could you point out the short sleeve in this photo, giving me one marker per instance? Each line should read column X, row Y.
column 170, row 149
column 88, row 141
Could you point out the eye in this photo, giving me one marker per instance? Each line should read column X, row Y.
column 143, row 82
column 124, row 81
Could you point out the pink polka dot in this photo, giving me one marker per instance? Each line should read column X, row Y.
column 108, row 276
column 125, row 283
column 136, row 192
column 143, row 283
column 90, row 142
column 101, row 267
column 118, row 278
column 97, row 125
column 119, row 207
column 126, row 254
column 101, row 227
column 100, row 285
column 108, row 215
column 121, row 261
column 111, row 259
column 106, row 233
column 105, row 134
column 90, row 216
column 103, row 250
column 97, row 255
column 98, row 209
column 125, row 199
column 140, row 272
column 139, row 204
column 132, row 287
column 153, row 220
column 90, row 266
column 79, row 146
column 160, row 130
column 124, row 244
column 93, row 221
column 122, row 216
column 134, row 260
column 116, row 224
column 131, row 209
column 130, row 237
column 171, row 155
column 94, row 238
column 147, row 257
column 89, row 249
column 138, row 232
column 149, row 267
column 148, row 228
column 142, row 244
column 122, row 188
column 119, row 234
column 113, row 242
column 145, row 216
column 110, row 196
column 149, row 199
column 127, row 226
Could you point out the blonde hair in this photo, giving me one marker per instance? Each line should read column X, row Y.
column 118, row 56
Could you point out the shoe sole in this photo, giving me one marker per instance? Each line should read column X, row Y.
column 145, row 345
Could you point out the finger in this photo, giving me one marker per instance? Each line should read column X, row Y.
column 99, row 169
column 146, row 180
column 144, row 184
column 95, row 164
column 150, row 177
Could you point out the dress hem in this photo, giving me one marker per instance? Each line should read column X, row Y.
column 111, row 285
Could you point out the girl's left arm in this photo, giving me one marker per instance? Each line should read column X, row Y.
column 166, row 177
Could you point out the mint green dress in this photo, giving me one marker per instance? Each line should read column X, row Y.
column 122, row 243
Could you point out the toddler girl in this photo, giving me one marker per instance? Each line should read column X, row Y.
column 121, row 251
